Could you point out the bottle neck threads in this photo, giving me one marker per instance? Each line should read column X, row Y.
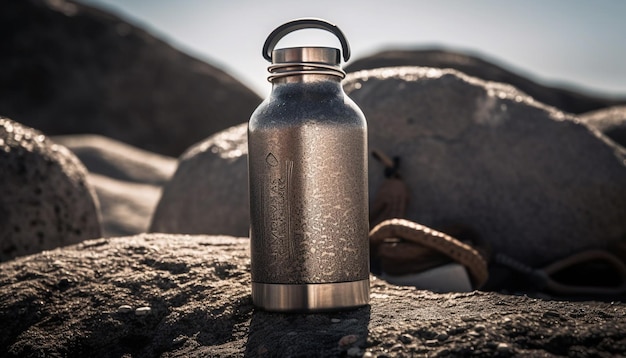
column 299, row 61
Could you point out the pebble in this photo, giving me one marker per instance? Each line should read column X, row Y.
column 479, row 327
column 474, row 334
column 396, row 347
column 503, row 348
column 551, row 314
column 335, row 320
column 441, row 337
column 432, row 342
column 143, row 311
column 124, row 309
column 406, row 338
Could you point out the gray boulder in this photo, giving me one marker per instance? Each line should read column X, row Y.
column 208, row 194
column 531, row 181
column 189, row 296
column 45, row 199
column 69, row 68
column 610, row 121
column 475, row 66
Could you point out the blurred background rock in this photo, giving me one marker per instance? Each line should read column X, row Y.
column 68, row 68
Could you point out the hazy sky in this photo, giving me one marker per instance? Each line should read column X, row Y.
column 560, row 42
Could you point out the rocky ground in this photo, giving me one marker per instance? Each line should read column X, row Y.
column 176, row 295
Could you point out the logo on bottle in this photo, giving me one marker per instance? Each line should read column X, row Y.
column 278, row 184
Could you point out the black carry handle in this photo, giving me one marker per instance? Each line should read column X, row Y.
column 300, row 24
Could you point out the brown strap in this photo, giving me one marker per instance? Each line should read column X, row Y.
column 581, row 257
column 390, row 205
column 544, row 281
column 400, row 257
column 422, row 235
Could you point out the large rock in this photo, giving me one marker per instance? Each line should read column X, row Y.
column 45, row 200
column 610, row 121
column 565, row 100
column 209, row 191
column 179, row 295
column 68, row 68
column 530, row 181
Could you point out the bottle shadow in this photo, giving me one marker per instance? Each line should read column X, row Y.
column 314, row 334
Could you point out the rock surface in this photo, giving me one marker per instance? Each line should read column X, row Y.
column 45, row 200
column 565, row 100
column 530, row 181
column 610, row 121
column 68, row 68
column 176, row 295
column 208, row 194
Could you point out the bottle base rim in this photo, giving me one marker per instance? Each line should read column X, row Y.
column 310, row 297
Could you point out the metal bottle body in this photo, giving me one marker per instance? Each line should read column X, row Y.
column 307, row 145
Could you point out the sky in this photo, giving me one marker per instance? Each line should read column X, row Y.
column 566, row 43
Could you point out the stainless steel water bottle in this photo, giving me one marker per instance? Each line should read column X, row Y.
column 307, row 162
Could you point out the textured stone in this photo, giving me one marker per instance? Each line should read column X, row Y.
column 45, row 200
column 565, row 100
column 67, row 303
column 610, row 121
column 531, row 181
column 68, row 68
column 208, row 194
